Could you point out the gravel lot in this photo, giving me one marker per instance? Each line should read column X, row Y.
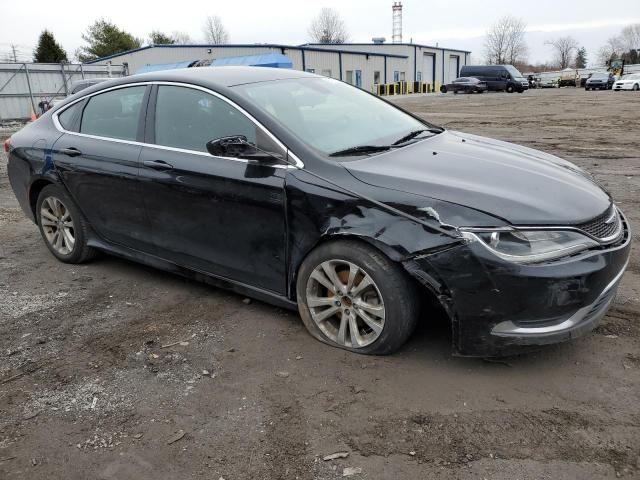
column 113, row 370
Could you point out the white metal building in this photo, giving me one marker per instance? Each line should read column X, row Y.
column 361, row 64
column 423, row 63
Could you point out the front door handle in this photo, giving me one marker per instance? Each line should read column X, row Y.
column 71, row 152
column 157, row 164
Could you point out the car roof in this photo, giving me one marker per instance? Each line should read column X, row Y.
column 226, row 76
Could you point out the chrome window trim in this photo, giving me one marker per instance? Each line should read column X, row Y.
column 603, row 241
column 298, row 163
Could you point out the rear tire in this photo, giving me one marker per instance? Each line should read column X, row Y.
column 63, row 229
column 636, row 87
column 351, row 296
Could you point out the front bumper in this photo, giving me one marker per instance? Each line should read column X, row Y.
column 499, row 307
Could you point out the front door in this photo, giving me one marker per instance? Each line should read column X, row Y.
column 97, row 159
column 219, row 215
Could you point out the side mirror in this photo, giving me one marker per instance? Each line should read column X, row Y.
column 237, row 146
column 233, row 146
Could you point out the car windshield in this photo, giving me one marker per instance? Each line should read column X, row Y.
column 330, row 115
column 513, row 71
column 599, row 76
column 632, row 76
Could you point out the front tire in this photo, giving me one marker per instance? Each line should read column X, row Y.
column 353, row 297
column 510, row 89
column 63, row 229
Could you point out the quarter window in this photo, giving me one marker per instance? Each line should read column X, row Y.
column 189, row 118
column 69, row 118
column 114, row 114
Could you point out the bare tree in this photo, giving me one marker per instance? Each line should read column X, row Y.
column 624, row 46
column 181, row 38
column 505, row 41
column 564, row 49
column 215, row 31
column 630, row 37
column 609, row 51
column 328, row 27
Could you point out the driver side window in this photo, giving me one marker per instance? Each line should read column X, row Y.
column 189, row 118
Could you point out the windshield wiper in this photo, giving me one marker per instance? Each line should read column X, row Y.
column 362, row 150
column 415, row 133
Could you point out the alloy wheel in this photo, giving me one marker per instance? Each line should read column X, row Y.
column 57, row 225
column 345, row 303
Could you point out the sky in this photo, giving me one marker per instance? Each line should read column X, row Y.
column 456, row 24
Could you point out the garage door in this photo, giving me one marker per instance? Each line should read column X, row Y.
column 427, row 69
column 454, row 63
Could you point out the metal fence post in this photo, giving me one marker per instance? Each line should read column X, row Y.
column 33, row 103
column 64, row 79
column 82, row 71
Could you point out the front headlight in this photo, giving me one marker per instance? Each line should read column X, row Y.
column 528, row 246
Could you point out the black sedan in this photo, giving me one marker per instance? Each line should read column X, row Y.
column 466, row 85
column 600, row 81
column 307, row 192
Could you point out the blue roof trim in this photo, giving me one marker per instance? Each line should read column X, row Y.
column 276, row 60
column 387, row 44
column 308, row 48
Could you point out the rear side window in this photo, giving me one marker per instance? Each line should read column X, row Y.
column 69, row 118
column 189, row 118
column 114, row 114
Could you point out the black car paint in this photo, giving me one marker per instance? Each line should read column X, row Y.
column 600, row 82
column 279, row 215
column 469, row 85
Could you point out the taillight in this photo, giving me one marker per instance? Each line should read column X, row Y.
column 7, row 145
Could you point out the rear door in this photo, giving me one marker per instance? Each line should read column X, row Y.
column 97, row 159
column 223, row 216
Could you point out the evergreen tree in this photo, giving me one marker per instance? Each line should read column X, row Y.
column 158, row 38
column 104, row 39
column 581, row 58
column 48, row 50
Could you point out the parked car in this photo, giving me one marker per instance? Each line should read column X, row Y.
column 307, row 192
column 76, row 87
column 628, row 82
column 534, row 82
column 599, row 81
column 497, row 77
column 466, row 85
column 549, row 80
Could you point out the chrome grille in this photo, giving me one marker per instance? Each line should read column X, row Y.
column 599, row 228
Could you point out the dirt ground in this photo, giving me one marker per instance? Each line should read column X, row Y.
column 113, row 370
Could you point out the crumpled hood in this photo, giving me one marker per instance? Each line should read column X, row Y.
column 517, row 184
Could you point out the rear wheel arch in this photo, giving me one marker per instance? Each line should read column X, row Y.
column 34, row 192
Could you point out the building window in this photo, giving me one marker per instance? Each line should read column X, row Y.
column 402, row 76
column 326, row 73
column 376, row 78
column 396, row 76
column 350, row 77
column 359, row 78
column 419, row 76
column 311, row 70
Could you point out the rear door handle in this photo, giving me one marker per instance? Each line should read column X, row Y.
column 157, row 164
column 71, row 152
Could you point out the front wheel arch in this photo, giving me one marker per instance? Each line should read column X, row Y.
column 392, row 279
